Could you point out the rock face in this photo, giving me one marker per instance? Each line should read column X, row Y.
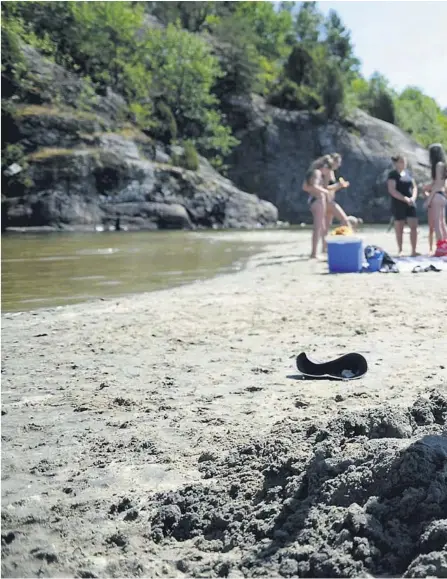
column 90, row 168
column 90, row 165
column 278, row 146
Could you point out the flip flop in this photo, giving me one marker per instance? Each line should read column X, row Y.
column 387, row 268
column 417, row 269
column 347, row 367
column 432, row 267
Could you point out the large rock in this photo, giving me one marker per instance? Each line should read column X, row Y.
column 91, row 167
column 110, row 179
column 278, row 146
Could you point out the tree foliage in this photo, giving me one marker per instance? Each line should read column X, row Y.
column 177, row 75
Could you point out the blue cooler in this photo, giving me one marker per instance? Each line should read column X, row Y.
column 345, row 254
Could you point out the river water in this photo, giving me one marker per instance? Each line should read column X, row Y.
column 46, row 270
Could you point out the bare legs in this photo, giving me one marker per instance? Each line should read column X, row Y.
column 413, row 225
column 318, row 209
column 399, row 229
column 334, row 210
column 438, row 205
column 431, row 228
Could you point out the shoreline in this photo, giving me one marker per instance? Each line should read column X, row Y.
column 115, row 400
column 93, row 229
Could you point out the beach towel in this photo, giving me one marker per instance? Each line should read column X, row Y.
column 407, row 264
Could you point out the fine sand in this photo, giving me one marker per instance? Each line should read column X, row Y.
column 168, row 434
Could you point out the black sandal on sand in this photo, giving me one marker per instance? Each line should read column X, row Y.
column 347, row 367
column 420, row 269
column 432, row 267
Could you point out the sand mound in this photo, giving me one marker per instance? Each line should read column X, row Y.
column 365, row 494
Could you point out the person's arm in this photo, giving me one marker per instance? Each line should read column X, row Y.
column 391, row 184
column 335, row 187
column 426, row 190
column 415, row 192
column 309, row 186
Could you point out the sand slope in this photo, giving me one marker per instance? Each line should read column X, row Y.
column 109, row 409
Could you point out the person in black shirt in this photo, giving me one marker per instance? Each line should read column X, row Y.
column 403, row 191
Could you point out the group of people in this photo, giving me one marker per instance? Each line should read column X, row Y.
column 321, row 185
column 404, row 193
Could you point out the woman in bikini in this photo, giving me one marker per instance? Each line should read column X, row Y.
column 328, row 164
column 426, row 190
column 437, row 200
column 436, row 154
column 313, row 186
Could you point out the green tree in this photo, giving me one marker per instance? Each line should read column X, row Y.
column 420, row 115
column 339, row 44
column 235, row 47
column 108, row 41
column 183, row 73
column 308, row 24
column 273, row 29
column 191, row 15
column 379, row 101
column 333, row 93
column 305, row 65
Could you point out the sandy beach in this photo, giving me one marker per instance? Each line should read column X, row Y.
column 168, row 433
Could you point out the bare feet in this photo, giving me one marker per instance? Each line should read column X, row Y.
column 415, row 254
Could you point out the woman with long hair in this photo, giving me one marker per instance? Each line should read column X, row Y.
column 328, row 164
column 437, row 199
column 313, row 186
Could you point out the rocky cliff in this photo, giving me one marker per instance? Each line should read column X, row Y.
column 277, row 147
column 86, row 166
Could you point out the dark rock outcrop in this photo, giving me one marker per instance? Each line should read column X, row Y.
column 89, row 168
column 89, row 164
column 277, row 147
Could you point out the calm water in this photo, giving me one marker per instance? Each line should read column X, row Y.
column 46, row 270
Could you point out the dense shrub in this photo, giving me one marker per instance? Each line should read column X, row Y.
column 292, row 97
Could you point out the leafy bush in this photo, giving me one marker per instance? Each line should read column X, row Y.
column 191, row 157
column 238, row 58
column 166, row 127
column 292, row 97
column 13, row 61
column 183, row 73
column 420, row 116
column 333, row 93
column 188, row 159
column 15, row 185
column 381, row 106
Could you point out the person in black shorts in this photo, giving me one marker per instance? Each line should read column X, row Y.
column 403, row 191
